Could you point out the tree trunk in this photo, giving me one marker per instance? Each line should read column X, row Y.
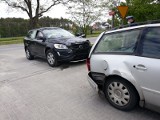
column 33, row 22
column 85, row 29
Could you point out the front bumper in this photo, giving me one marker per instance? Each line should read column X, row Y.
column 92, row 83
column 98, row 79
column 72, row 55
column 64, row 55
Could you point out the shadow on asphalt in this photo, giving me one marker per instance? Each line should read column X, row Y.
column 63, row 65
column 66, row 65
column 100, row 96
column 137, row 111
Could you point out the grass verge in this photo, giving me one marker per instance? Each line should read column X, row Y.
column 94, row 34
column 12, row 40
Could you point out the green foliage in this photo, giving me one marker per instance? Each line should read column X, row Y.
column 63, row 23
column 14, row 27
column 85, row 12
column 144, row 10
column 33, row 8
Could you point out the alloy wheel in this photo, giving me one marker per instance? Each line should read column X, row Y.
column 50, row 58
column 27, row 53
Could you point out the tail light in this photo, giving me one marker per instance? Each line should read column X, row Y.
column 88, row 64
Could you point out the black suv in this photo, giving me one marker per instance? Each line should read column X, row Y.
column 56, row 45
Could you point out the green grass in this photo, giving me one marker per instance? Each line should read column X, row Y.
column 11, row 40
column 94, row 34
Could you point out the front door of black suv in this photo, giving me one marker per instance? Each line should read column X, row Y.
column 29, row 41
column 40, row 44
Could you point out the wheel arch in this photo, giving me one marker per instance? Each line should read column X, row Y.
column 25, row 47
column 47, row 48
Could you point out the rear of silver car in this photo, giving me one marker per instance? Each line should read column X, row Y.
column 119, row 66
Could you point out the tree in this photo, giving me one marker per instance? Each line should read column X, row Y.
column 144, row 10
column 34, row 8
column 85, row 12
column 15, row 27
column 62, row 22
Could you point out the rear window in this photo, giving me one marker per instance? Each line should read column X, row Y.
column 118, row 42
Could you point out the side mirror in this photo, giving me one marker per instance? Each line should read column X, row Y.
column 77, row 34
column 83, row 36
column 80, row 35
column 41, row 38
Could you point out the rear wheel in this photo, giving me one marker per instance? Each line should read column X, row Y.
column 29, row 56
column 121, row 94
column 51, row 58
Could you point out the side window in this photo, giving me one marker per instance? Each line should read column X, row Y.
column 39, row 34
column 118, row 42
column 31, row 34
column 151, row 43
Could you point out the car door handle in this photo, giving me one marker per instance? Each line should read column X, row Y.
column 140, row 67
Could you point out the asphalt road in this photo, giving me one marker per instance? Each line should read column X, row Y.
column 31, row 90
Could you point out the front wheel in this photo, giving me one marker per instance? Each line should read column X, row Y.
column 51, row 58
column 29, row 56
column 121, row 94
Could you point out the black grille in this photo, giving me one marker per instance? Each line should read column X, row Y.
column 80, row 46
column 80, row 50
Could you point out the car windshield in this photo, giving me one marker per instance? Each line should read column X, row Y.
column 57, row 33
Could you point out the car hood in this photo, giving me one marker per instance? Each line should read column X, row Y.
column 67, row 41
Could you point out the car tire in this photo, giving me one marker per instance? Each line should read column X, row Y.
column 29, row 56
column 121, row 94
column 51, row 58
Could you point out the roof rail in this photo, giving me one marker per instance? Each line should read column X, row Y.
column 137, row 23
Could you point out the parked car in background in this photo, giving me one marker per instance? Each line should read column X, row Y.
column 56, row 45
column 125, row 64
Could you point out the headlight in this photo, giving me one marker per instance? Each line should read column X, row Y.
column 60, row 46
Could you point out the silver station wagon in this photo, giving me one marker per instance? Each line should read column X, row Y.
column 125, row 65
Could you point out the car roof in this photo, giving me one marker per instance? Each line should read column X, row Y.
column 133, row 27
column 46, row 28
